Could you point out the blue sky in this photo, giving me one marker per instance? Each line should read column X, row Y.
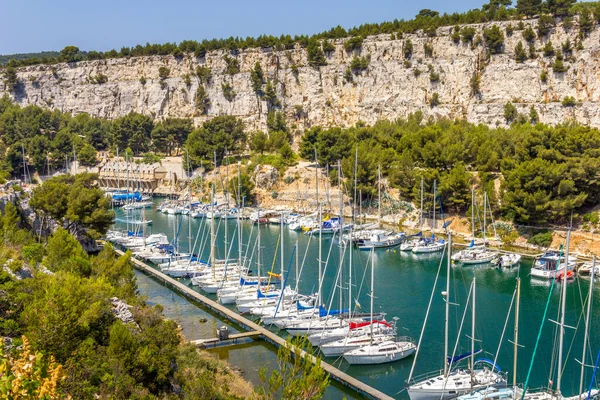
column 37, row 25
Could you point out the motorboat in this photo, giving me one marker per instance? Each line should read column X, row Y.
column 550, row 263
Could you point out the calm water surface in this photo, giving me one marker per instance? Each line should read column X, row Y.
column 403, row 285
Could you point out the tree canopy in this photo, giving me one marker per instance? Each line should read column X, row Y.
column 76, row 202
column 214, row 137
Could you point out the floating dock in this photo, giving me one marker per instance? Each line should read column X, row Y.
column 235, row 338
column 256, row 330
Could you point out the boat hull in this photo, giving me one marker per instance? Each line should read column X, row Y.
column 371, row 359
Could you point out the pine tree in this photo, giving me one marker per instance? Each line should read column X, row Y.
column 316, row 57
column 520, row 54
column 560, row 8
column 529, row 7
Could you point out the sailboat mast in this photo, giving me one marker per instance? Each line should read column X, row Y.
column 350, row 273
column 484, row 214
column 317, row 178
column 587, row 327
column 281, row 246
column 226, row 213
column 189, row 185
column 341, row 232
column 212, row 219
column 434, row 193
column 421, row 216
column 360, row 205
column 297, row 265
column 473, row 212
column 239, row 213
column 355, row 180
column 516, row 336
column 473, row 326
column 447, row 305
column 258, row 251
column 561, row 337
column 319, row 294
column 379, row 195
column 372, row 286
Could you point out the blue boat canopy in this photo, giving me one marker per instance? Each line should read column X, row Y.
column 323, row 312
column 268, row 296
column 127, row 196
column 299, row 306
column 459, row 358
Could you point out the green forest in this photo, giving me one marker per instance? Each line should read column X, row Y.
column 62, row 337
column 546, row 172
column 63, row 316
column 427, row 20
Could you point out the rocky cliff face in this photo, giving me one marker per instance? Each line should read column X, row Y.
column 388, row 89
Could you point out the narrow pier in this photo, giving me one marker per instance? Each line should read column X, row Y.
column 234, row 338
column 257, row 330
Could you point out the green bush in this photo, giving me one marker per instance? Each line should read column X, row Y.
column 434, row 101
column 520, row 54
column 328, row 47
column 316, row 57
column 407, row 49
column 545, row 25
column 232, row 65
column 542, row 239
column 529, row 35
column 359, row 64
column 202, row 100
column 456, row 34
column 467, row 34
column 548, row 49
column 98, row 79
column 510, row 113
column 558, row 66
column 569, row 101
column 494, row 39
column 203, row 73
column 428, row 49
column 228, row 91
column 354, row 43
column 163, row 72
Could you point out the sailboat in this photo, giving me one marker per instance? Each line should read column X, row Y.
column 378, row 349
column 475, row 254
column 430, row 245
column 516, row 392
column 450, row 383
column 379, row 239
column 408, row 245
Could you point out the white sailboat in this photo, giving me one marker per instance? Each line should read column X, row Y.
column 379, row 349
column 476, row 254
column 522, row 393
column 430, row 245
column 450, row 383
column 409, row 244
column 379, row 239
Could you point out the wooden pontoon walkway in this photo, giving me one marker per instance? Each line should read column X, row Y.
column 232, row 339
column 256, row 329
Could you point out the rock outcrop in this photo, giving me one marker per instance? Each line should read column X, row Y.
column 389, row 88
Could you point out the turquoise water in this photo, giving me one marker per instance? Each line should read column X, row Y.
column 403, row 285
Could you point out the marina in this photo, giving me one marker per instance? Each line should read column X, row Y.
column 404, row 278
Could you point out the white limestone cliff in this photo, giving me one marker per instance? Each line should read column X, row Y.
column 388, row 89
